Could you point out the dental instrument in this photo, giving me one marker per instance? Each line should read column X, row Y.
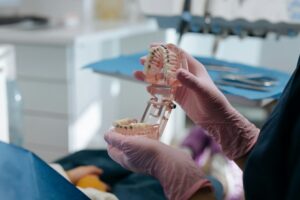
column 251, row 79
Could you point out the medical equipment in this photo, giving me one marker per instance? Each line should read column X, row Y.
column 251, row 79
column 36, row 20
column 221, row 68
column 160, row 71
column 256, row 82
column 222, row 18
column 241, row 85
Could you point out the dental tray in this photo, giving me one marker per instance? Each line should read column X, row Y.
column 124, row 66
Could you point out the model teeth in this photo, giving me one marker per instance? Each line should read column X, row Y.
column 132, row 127
column 163, row 61
column 130, row 124
column 125, row 121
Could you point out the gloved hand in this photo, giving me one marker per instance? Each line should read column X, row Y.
column 205, row 104
column 175, row 169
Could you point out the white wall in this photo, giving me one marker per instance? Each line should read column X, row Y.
column 281, row 54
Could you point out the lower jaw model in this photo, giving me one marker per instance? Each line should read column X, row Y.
column 133, row 127
column 160, row 71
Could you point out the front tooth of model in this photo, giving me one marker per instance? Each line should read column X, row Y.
column 125, row 121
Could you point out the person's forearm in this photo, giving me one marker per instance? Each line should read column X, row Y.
column 204, row 193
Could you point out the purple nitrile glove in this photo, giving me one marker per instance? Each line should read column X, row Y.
column 178, row 174
column 197, row 140
column 205, row 104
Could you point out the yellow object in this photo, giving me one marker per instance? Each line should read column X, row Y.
column 109, row 9
column 92, row 181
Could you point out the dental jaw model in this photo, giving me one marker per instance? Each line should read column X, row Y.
column 160, row 69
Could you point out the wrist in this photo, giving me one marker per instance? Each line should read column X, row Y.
column 184, row 183
column 214, row 192
column 201, row 187
column 203, row 194
column 236, row 134
column 244, row 137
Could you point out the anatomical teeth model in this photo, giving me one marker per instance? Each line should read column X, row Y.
column 160, row 69
column 132, row 127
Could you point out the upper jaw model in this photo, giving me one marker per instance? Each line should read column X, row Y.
column 160, row 68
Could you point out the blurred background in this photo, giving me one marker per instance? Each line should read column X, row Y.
column 52, row 106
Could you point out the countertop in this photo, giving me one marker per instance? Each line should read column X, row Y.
column 67, row 35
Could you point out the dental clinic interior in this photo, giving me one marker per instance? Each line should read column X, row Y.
column 68, row 77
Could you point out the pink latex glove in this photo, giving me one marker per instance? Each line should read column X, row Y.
column 205, row 104
column 175, row 169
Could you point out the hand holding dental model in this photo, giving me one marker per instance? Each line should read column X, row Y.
column 204, row 104
column 179, row 176
column 160, row 70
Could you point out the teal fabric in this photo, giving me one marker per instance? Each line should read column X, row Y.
column 218, row 188
column 25, row 176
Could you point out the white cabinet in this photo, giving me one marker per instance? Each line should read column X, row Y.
column 5, row 61
column 64, row 104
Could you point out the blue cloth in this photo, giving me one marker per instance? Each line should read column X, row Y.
column 25, row 176
column 218, row 188
column 124, row 66
column 273, row 166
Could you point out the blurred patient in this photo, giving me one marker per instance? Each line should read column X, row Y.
column 86, row 178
